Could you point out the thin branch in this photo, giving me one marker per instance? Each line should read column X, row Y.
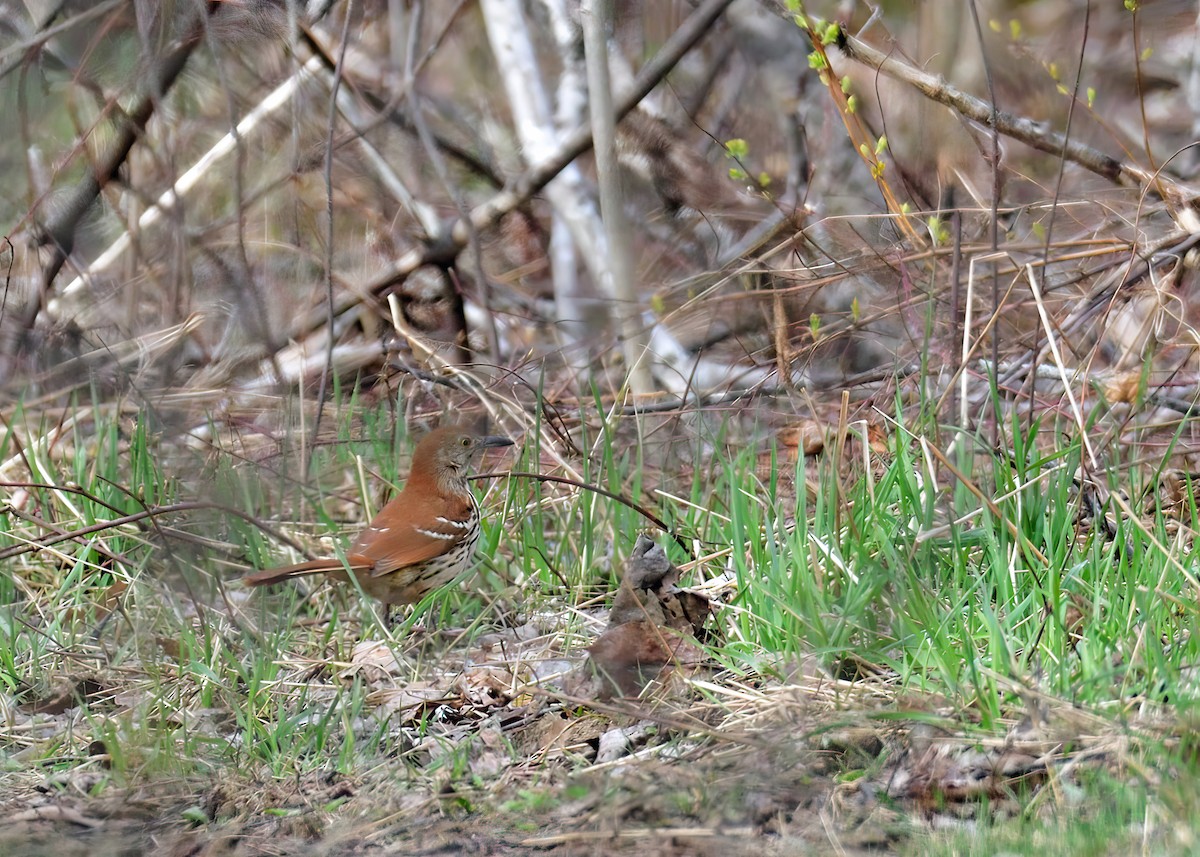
column 59, row 230
column 596, row 489
column 619, row 267
column 169, row 199
column 330, row 311
column 523, row 188
column 530, row 182
column 1034, row 134
column 158, row 511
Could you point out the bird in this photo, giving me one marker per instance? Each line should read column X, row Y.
column 423, row 538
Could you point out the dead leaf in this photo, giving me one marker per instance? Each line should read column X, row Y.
column 808, row 435
column 66, row 695
column 410, row 701
column 632, row 655
column 373, row 661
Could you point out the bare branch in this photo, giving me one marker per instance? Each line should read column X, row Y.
column 1034, row 134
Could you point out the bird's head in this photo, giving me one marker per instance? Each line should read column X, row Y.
column 450, row 448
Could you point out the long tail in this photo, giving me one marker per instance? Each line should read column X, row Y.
column 315, row 566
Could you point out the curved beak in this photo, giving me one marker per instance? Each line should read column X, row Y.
column 494, row 440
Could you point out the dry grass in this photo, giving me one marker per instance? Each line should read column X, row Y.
column 959, row 622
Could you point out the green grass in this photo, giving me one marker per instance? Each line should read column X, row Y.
column 891, row 572
column 953, row 608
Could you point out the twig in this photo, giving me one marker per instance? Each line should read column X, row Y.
column 158, row 511
column 168, row 200
column 1034, row 134
column 330, row 312
column 534, row 179
column 595, row 489
column 59, row 231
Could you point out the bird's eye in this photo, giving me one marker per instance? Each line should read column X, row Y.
column 465, row 441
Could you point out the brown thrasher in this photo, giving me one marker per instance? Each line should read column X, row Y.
column 423, row 538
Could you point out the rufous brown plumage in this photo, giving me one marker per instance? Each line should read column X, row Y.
column 424, row 538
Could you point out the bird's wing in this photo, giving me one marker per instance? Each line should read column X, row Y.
column 395, row 540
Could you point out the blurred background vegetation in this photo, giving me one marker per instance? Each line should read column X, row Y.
column 897, row 340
